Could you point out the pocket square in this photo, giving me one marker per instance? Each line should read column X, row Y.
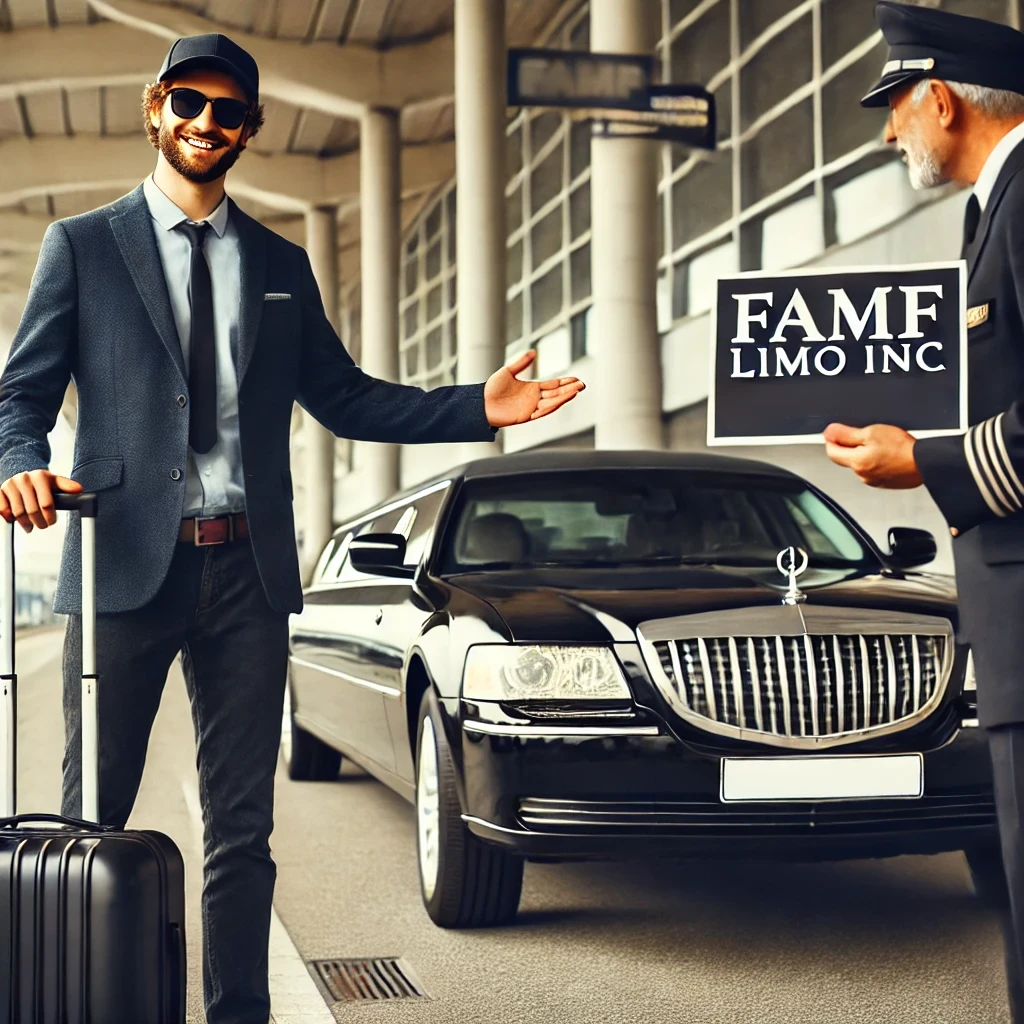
column 276, row 296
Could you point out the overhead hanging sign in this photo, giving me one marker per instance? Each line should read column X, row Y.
column 616, row 91
column 571, row 78
column 672, row 113
column 797, row 350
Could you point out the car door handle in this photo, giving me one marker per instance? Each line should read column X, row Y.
column 378, row 616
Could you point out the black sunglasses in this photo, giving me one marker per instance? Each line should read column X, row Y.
column 189, row 103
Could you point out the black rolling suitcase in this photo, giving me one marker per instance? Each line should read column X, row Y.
column 92, row 919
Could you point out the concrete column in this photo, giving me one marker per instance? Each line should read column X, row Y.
column 318, row 441
column 624, row 211
column 480, row 118
column 380, row 229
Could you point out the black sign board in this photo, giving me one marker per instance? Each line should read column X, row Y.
column 672, row 113
column 614, row 90
column 797, row 350
column 570, row 78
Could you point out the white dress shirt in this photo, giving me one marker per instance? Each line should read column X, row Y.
column 214, row 483
column 994, row 164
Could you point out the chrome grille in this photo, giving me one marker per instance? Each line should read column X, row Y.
column 802, row 689
column 800, row 677
column 807, row 686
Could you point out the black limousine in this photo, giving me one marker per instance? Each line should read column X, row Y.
column 562, row 655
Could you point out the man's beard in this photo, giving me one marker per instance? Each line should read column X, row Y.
column 922, row 165
column 169, row 146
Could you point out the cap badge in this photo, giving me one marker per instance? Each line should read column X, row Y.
column 921, row 64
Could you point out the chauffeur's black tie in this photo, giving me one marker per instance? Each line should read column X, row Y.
column 202, row 372
column 972, row 214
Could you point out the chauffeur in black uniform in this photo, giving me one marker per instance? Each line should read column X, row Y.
column 955, row 88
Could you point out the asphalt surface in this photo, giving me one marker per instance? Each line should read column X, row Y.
column 894, row 942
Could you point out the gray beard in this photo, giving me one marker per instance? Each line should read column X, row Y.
column 922, row 166
column 926, row 173
column 172, row 154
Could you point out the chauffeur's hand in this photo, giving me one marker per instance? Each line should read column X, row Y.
column 881, row 455
column 508, row 400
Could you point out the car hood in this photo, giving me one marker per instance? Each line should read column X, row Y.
column 599, row 606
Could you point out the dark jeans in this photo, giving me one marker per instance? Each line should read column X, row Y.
column 234, row 653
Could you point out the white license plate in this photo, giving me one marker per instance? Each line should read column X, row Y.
column 861, row 777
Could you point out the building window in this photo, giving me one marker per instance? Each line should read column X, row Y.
column 427, row 300
column 793, row 140
column 548, row 222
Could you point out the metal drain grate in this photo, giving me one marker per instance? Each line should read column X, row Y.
column 354, row 980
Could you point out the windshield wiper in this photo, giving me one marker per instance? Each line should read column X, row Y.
column 476, row 566
column 620, row 563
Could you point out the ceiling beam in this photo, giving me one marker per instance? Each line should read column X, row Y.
column 344, row 80
column 290, row 182
column 42, row 59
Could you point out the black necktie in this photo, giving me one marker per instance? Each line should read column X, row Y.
column 972, row 214
column 202, row 372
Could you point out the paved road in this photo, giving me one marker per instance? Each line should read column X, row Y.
column 891, row 942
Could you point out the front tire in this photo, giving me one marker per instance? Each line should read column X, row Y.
column 464, row 882
column 985, row 864
column 306, row 758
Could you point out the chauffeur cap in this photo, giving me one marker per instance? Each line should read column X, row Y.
column 925, row 43
column 217, row 52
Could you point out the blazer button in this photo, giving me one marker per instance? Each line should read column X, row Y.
column 181, row 401
column 175, row 474
column 954, row 532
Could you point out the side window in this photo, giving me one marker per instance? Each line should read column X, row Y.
column 330, row 573
column 325, row 557
column 405, row 521
column 393, row 521
column 427, row 509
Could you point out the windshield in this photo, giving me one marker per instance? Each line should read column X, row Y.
column 605, row 518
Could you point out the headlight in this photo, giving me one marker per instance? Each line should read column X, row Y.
column 970, row 682
column 515, row 672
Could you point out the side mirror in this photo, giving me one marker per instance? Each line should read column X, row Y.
column 380, row 554
column 909, row 547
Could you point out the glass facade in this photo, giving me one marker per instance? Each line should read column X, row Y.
column 427, row 296
column 787, row 76
column 548, row 204
column 548, row 266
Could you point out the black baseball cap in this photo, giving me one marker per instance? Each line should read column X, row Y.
column 926, row 43
column 217, row 52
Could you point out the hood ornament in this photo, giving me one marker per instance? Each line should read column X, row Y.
column 792, row 562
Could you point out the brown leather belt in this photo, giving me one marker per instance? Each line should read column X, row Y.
column 205, row 530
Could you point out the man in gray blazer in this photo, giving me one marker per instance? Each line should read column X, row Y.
column 190, row 331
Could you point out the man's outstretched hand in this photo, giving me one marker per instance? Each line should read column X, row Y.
column 881, row 455
column 508, row 400
column 27, row 498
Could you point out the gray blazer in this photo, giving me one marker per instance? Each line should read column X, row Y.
column 98, row 313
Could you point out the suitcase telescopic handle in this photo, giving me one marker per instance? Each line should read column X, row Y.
column 57, row 819
column 84, row 503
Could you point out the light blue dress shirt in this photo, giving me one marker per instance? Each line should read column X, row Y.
column 214, row 483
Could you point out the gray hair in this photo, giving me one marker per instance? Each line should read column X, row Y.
column 997, row 103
